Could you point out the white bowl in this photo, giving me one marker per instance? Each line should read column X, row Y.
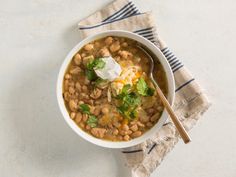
column 105, row 143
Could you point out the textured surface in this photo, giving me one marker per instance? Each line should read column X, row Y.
column 34, row 38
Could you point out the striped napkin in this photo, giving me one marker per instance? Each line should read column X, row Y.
column 190, row 101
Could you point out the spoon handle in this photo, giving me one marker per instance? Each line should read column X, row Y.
column 183, row 133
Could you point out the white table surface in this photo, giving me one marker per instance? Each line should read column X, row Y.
column 35, row 36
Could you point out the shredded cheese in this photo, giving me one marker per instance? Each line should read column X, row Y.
column 129, row 75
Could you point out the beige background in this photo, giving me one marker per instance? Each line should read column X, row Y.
column 35, row 36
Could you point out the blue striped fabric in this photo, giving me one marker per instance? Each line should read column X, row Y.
column 148, row 33
column 175, row 64
column 133, row 151
column 122, row 10
column 183, row 85
column 126, row 11
column 104, row 23
column 153, row 146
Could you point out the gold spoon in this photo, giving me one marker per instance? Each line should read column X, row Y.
column 183, row 133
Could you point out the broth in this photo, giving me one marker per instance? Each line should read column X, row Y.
column 120, row 110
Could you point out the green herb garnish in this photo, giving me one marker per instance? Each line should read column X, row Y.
column 150, row 91
column 99, row 82
column 85, row 108
column 143, row 88
column 126, row 88
column 97, row 63
column 94, row 64
column 133, row 113
column 130, row 100
column 92, row 121
column 123, row 108
column 91, row 75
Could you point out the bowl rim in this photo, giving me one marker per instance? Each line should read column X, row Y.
column 105, row 143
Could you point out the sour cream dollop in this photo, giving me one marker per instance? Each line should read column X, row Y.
column 110, row 71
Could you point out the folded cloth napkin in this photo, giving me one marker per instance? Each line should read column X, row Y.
column 190, row 101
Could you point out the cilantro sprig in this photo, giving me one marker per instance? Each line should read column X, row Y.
column 101, row 83
column 125, row 90
column 97, row 63
column 85, row 108
column 129, row 102
column 92, row 119
column 143, row 89
column 90, row 74
column 131, row 97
